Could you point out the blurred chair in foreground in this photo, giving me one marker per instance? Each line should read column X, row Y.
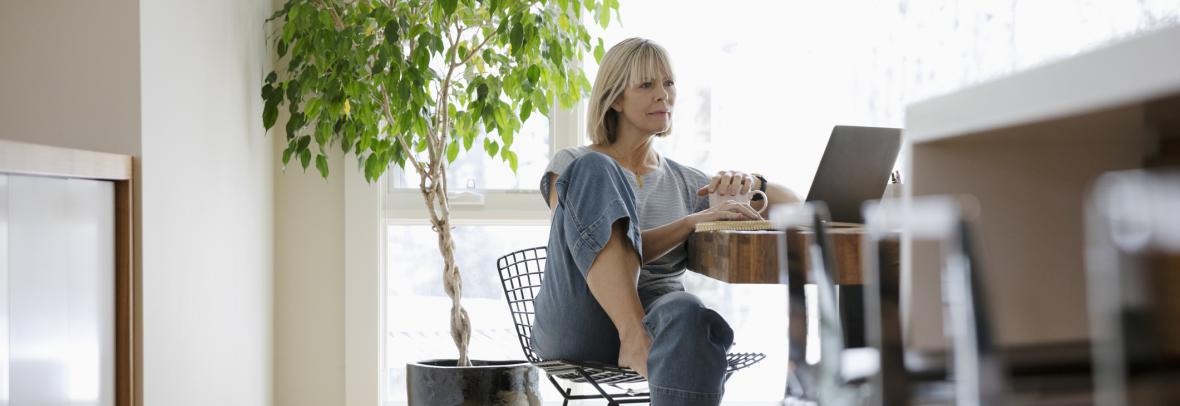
column 1133, row 275
column 829, row 384
column 976, row 372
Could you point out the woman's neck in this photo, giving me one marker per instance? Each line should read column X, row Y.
column 634, row 153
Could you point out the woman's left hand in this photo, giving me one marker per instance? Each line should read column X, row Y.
column 728, row 183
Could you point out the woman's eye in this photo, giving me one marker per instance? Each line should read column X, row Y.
column 669, row 83
column 645, row 85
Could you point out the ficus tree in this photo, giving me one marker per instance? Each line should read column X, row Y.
column 414, row 82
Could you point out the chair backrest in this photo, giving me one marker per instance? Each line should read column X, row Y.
column 1133, row 270
column 520, row 274
column 977, row 365
column 813, row 217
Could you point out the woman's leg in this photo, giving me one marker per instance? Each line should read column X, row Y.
column 588, row 307
column 613, row 280
column 688, row 353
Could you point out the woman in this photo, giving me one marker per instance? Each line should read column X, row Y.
column 612, row 290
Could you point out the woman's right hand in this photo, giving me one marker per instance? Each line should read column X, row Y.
column 730, row 210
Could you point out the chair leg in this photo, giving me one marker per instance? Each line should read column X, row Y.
column 565, row 393
column 610, row 400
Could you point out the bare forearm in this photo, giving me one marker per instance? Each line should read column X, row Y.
column 660, row 240
column 778, row 194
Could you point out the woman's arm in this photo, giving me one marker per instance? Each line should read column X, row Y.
column 778, row 194
column 660, row 240
column 737, row 182
column 552, row 194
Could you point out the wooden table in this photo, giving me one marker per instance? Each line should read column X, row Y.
column 752, row 257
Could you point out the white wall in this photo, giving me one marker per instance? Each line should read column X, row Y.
column 208, row 217
column 69, row 74
column 177, row 85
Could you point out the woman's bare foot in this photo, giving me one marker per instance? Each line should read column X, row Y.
column 633, row 352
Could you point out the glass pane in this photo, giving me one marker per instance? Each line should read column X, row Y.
column 474, row 169
column 418, row 312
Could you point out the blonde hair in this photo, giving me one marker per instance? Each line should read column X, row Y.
column 628, row 63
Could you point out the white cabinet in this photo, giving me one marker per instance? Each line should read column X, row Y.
column 60, row 290
column 67, row 325
column 1028, row 147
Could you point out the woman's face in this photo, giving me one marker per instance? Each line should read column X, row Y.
column 646, row 107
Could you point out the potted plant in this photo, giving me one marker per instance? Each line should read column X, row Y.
column 413, row 82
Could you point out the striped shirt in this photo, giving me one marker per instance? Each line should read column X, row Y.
column 668, row 193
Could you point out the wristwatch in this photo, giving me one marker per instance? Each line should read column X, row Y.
column 761, row 187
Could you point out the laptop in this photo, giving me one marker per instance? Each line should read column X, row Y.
column 855, row 168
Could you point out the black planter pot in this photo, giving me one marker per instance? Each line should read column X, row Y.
column 492, row 383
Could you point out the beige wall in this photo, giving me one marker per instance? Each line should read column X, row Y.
column 327, row 250
column 69, row 74
column 309, row 280
column 326, row 321
column 309, row 284
column 208, row 204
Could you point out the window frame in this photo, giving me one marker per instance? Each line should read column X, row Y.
column 404, row 206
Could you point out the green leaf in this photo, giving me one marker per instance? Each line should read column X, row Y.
column 511, row 157
column 304, row 158
column 555, row 53
column 468, row 142
column 287, row 154
column 294, row 123
column 304, row 141
column 603, row 15
column 363, row 144
column 271, row 78
column 491, row 147
column 599, row 51
column 321, row 163
column 449, row 6
column 373, row 167
column 452, row 151
column 526, row 109
column 325, row 18
column 516, row 38
column 481, row 92
column 323, row 133
column 391, row 33
column 270, row 113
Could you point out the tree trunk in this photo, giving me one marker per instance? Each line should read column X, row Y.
column 452, row 280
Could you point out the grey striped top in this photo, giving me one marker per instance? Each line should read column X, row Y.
column 668, row 193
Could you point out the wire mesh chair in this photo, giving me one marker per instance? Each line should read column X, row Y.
column 521, row 273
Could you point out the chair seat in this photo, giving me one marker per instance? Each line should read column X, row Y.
column 521, row 273
column 614, row 374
